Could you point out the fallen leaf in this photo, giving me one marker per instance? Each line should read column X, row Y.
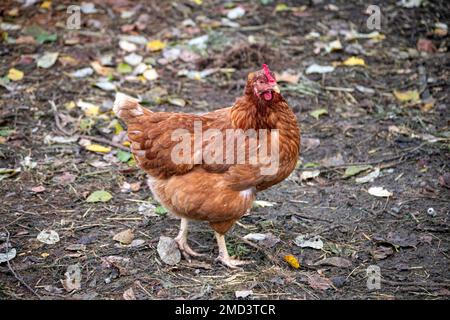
column 318, row 112
column 315, row 68
column 106, row 85
column 243, row 293
column 38, row 189
column 98, row 148
column 316, row 281
column 124, row 237
column 99, row 196
column 48, row 237
column 47, row 60
column 263, row 203
column 123, row 156
column 49, row 139
column 305, row 175
column 101, row 70
column 65, row 178
column 382, row 252
column 399, row 238
column 129, row 294
column 136, row 243
column 15, row 75
column 88, row 8
column 46, row 4
column 379, row 192
column 354, row 61
column 120, row 263
column 133, row 59
column 127, row 46
column 370, row 177
column 168, row 251
column 155, row 45
column 441, row 29
column 82, row 73
column 292, row 261
column 150, row 74
column 333, row 46
column 255, row 236
column 425, row 45
column 407, row 96
column 72, row 279
column 160, row 210
column 304, row 241
column 354, row 170
column 177, row 102
column 11, row 254
column 236, row 13
column 335, row 262
column 124, row 68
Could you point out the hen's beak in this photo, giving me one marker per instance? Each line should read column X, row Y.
column 276, row 88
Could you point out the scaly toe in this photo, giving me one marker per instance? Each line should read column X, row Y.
column 187, row 251
column 233, row 263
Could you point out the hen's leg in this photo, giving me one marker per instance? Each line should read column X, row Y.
column 181, row 240
column 224, row 256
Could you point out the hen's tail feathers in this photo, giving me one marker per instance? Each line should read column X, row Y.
column 128, row 108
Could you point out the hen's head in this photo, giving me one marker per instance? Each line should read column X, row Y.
column 262, row 84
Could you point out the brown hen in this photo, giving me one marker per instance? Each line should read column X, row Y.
column 209, row 167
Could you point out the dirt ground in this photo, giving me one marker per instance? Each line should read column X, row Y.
column 404, row 144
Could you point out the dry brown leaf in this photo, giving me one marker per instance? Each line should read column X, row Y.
column 124, row 237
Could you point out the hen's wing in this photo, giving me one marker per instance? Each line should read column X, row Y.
column 164, row 143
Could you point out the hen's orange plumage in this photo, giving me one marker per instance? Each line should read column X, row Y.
column 216, row 191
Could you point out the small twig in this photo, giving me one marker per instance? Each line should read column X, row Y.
column 311, row 218
column 57, row 121
column 368, row 163
column 268, row 255
column 18, row 277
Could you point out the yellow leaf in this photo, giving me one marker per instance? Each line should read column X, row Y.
column 293, row 262
column 92, row 111
column 404, row 96
column 197, row 2
column 427, row 106
column 126, row 143
column 46, row 4
column 281, row 7
column 44, row 254
column 67, row 60
column 116, row 125
column 70, row 105
column 103, row 71
column 354, row 61
column 14, row 12
column 156, row 45
column 15, row 75
column 98, row 148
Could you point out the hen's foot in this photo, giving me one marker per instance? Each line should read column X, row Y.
column 233, row 263
column 186, row 250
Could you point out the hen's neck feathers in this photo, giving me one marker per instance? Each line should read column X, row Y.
column 251, row 113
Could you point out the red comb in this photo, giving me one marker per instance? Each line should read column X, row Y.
column 267, row 72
